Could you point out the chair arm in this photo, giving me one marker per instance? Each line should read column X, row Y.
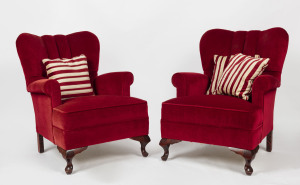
column 190, row 84
column 48, row 87
column 261, row 85
column 116, row 83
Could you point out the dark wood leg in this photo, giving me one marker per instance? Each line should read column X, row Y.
column 40, row 140
column 68, row 156
column 269, row 141
column 165, row 144
column 144, row 140
column 249, row 155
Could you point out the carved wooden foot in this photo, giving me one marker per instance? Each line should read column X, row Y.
column 165, row 144
column 144, row 140
column 68, row 156
column 269, row 141
column 40, row 140
column 249, row 155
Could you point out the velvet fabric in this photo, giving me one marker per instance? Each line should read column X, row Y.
column 116, row 83
column 91, row 111
column 110, row 115
column 220, row 119
column 100, row 134
column 190, row 84
column 213, row 110
column 271, row 43
column 47, row 87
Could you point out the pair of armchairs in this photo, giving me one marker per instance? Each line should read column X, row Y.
column 112, row 114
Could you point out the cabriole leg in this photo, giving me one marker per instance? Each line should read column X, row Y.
column 144, row 140
column 249, row 155
column 165, row 144
column 68, row 156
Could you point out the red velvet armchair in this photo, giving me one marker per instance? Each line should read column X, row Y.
column 74, row 124
column 220, row 119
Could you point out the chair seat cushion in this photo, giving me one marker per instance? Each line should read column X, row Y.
column 93, row 111
column 214, row 111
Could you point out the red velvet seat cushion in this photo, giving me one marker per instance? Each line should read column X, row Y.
column 92, row 111
column 213, row 110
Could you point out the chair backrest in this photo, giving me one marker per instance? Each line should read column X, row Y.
column 33, row 49
column 271, row 43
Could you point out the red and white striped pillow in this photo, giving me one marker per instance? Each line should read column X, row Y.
column 220, row 64
column 239, row 75
column 72, row 76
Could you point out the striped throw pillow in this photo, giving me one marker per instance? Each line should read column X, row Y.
column 72, row 76
column 239, row 75
column 220, row 64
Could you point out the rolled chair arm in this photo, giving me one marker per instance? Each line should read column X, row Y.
column 47, row 87
column 115, row 83
column 190, row 84
column 261, row 85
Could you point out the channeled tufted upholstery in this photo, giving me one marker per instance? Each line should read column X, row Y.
column 32, row 49
column 271, row 43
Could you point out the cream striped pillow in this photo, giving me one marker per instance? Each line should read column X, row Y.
column 72, row 76
column 238, row 76
column 220, row 65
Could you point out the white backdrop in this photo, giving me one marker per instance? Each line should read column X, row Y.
column 152, row 39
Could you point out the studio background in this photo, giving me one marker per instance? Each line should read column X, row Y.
column 152, row 39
